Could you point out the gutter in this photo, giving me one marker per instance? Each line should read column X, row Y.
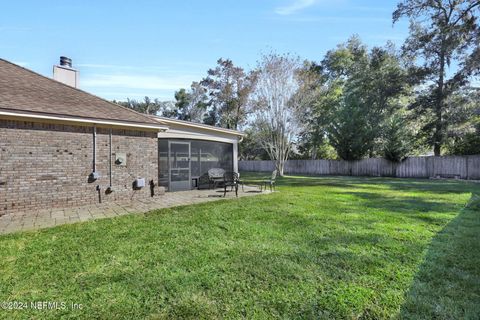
column 77, row 120
column 110, row 187
column 198, row 125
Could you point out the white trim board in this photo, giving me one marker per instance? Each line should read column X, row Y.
column 75, row 120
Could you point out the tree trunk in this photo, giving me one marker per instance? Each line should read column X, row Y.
column 438, row 136
column 280, row 167
column 437, row 152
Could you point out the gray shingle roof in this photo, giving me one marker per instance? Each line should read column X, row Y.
column 27, row 92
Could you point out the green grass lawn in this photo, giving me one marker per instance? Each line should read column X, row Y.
column 331, row 247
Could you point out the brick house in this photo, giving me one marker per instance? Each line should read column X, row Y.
column 63, row 147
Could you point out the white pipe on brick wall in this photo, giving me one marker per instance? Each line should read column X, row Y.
column 110, row 158
column 94, row 148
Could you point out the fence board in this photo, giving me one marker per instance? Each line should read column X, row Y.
column 473, row 167
column 465, row 167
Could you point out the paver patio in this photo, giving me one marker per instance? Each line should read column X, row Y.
column 25, row 221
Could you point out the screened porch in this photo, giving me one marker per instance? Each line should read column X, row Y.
column 183, row 164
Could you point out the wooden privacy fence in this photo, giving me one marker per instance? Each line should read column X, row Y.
column 463, row 167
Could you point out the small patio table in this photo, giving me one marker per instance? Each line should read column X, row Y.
column 250, row 182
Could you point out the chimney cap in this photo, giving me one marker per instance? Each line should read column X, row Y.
column 65, row 62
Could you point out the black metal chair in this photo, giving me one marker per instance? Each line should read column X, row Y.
column 204, row 182
column 216, row 176
column 230, row 179
column 270, row 182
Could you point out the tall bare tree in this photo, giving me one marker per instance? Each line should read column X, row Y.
column 277, row 114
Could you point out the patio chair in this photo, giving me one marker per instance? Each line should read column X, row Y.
column 204, row 182
column 215, row 176
column 230, row 179
column 270, row 182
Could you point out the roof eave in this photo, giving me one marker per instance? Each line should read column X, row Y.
column 80, row 121
column 200, row 126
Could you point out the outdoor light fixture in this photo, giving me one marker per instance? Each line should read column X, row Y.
column 120, row 159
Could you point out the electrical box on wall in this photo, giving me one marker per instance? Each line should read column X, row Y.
column 140, row 183
column 121, row 159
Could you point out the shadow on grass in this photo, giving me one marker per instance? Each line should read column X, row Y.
column 413, row 207
column 400, row 184
column 447, row 285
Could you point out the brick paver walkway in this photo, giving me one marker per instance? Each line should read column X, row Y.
column 54, row 217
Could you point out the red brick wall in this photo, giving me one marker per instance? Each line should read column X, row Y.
column 47, row 165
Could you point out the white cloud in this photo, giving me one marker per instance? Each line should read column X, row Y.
column 294, row 7
column 370, row 9
column 14, row 29
column 117, row 81
column 145, row 82
column 103, row 66
column 124, row 95
column 337, row 19
column 172, row 67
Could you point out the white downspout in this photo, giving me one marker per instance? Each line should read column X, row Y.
column 94, row 175
column 110, row 189
column 94, row 148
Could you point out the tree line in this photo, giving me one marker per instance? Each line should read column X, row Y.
column 356, row 102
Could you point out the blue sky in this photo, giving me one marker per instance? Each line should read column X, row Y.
column 137, row 48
